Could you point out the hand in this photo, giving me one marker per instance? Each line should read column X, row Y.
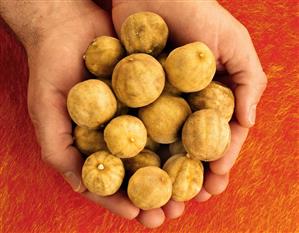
column 56, row 64
column 56, row 35
column 207, row 21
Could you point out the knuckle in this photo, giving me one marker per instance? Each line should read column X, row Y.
column 32, row 113
column 263, row 81
column 47, row 157
column 35, row 100
column 34, row 117
column 33, row 103
column 244, row 30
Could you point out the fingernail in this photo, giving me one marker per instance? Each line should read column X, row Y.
column 252, row 114
column 74, row 181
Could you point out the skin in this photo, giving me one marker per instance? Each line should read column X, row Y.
column 143, row 159
column 190, row 67
column 164, row 118
column 55, row 68
column 150, row 187
column 102, row 55
column 138, row 80
column 125, row 136
column 152, row 145
column 215, row 96
column 176, row 148
column 144, row 32
column 206, row 135
column 186, row 175
column 103, row 173
column 88, row 141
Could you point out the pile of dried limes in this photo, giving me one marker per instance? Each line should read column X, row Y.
column 143, row 97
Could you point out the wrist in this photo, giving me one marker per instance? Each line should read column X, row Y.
column 33, row 21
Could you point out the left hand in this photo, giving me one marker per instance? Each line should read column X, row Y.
column 207, row 21
column 56, row 65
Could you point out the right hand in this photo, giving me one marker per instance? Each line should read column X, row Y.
column 56, row 64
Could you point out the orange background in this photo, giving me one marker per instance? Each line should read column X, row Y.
column 263, row 192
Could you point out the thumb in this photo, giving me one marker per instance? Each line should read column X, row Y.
column 229, row 40
column 247, row 97
column 240, row 59
column 246, row 72
column 54, row 133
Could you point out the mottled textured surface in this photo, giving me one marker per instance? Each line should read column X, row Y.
column 138, row 80
column 183, row 71
column 87, row 103
column 263, row 192
column 186, row 175
column 164, row 118
column 103, row 173
column 102, row 55
column 149, row 36
column 149, row 188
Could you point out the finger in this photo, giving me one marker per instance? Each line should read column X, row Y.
column 173, row 209
column 247, row 97
column 203, row 195
column 105, row 5
column 215, row 184
column 103, row 25
column 245, row 70
column 54, row 132
column 151, row 218
column 184, row 29
column 238, row 137
column 117, row 203
column 229, row 41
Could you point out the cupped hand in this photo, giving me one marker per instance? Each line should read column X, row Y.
column 56, row 64
column 207, row 21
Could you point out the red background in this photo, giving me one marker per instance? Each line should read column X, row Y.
column 263, row 192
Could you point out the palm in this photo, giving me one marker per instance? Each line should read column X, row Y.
column 55, row 66
column 61, row 53
column 208, row 22
column 194, row 23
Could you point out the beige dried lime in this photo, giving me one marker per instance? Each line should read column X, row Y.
column 171, row 90
column 125, row 136
column 162, row 58
column 91, row 103
column 107, row 81
column 149, row 188
column 103, row 173
column 186, row 176
column 138, row 80
column 164, row 153
column 215, row 96
column 144, row 32
column 206, row 135
column 121, row 109
column 168, row 88
column 164, row 118
column 190, row 67
column 102, row 55
column 144, row 159
column 151, row 144
column 88, row 141
column 177, row 148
